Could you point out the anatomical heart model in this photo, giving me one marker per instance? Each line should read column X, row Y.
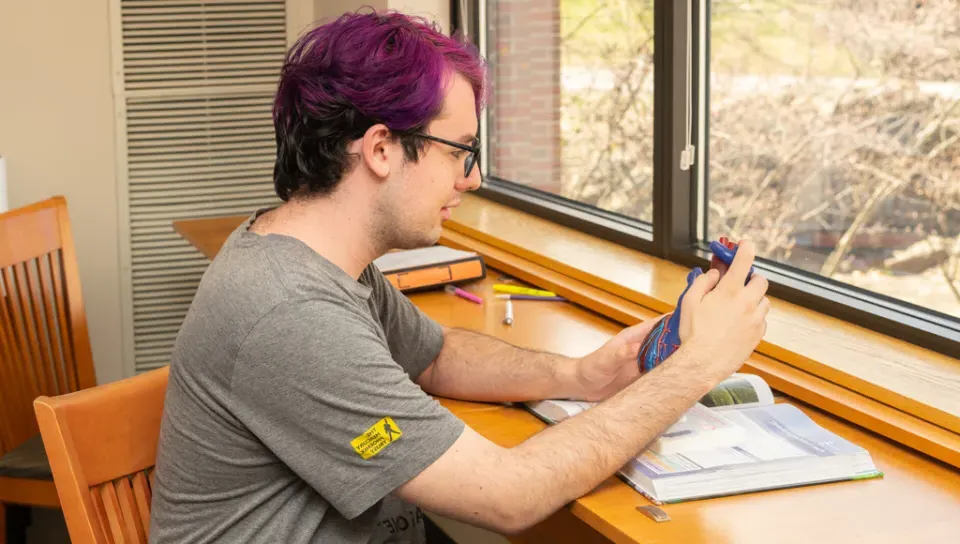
column 664, row 339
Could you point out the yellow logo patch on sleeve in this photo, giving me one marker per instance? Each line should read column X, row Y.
column 377, row 437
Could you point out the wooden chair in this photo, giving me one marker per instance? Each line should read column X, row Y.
column 44, row 345
column 102, row 444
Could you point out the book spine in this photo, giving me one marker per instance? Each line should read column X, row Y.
column 626, row 479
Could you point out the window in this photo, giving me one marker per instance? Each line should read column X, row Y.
column 835, row 140
column 572, row 109
column 828, row 132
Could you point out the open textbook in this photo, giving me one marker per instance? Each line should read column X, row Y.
column 735, row 440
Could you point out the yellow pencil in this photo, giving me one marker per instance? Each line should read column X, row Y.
column 517, row 290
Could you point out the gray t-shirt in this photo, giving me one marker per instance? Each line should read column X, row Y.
column 291, row 412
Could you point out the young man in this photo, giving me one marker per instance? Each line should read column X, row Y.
column 299, row 406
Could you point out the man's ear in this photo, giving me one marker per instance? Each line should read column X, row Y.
column 376, row 149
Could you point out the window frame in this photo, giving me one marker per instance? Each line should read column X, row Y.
column 680, row 195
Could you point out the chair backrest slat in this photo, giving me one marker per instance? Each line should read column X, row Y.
column 111, row 505
column 33, row 312
column 52, row 330
column 21, row 324
column 99, row 525
column 128, row 507
column 63, row 324
column 143, row 495
column 102, row 445
column 46, row 348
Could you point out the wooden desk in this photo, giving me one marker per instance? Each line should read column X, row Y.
column 208, row 234
column 918, row 499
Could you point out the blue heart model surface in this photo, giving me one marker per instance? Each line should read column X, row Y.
column 664, row 339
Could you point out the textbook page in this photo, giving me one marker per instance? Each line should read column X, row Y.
column 699, row 427
column 739, row 391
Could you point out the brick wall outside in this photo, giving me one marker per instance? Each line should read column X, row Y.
column 524, row 55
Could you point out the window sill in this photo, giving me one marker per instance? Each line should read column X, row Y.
column 863, row 367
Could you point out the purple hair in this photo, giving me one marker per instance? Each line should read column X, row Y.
column 343, row 77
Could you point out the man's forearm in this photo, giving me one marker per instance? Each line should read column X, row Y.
column 567, row 460
column 477, row 367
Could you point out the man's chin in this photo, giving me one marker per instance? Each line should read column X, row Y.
column 425, row 239
column 431, row 239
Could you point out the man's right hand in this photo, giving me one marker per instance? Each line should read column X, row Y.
column 723, row 320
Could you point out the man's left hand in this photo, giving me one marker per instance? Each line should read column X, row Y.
column 614, row 365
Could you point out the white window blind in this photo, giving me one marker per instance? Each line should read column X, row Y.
column 197, row 141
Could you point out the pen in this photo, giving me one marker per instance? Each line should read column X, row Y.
column 508, row 318
column 463, row 294
column 528, row 297
column 517, row 290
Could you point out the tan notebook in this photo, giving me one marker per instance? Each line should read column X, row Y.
column 427, row 267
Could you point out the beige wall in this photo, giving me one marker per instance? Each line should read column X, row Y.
column 302, row 14
column 438, row 10
column 57, row 134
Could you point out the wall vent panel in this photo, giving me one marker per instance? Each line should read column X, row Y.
column 197, row 141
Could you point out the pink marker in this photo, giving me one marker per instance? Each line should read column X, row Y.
column 454, row 290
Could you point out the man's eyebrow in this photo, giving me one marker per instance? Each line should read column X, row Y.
column 467, row 138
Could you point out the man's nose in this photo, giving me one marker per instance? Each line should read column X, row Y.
column 471, row 182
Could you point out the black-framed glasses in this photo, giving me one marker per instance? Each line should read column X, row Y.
column 473, row 151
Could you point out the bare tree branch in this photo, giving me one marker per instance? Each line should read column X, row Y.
column 889, row 185
column 583, row 22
